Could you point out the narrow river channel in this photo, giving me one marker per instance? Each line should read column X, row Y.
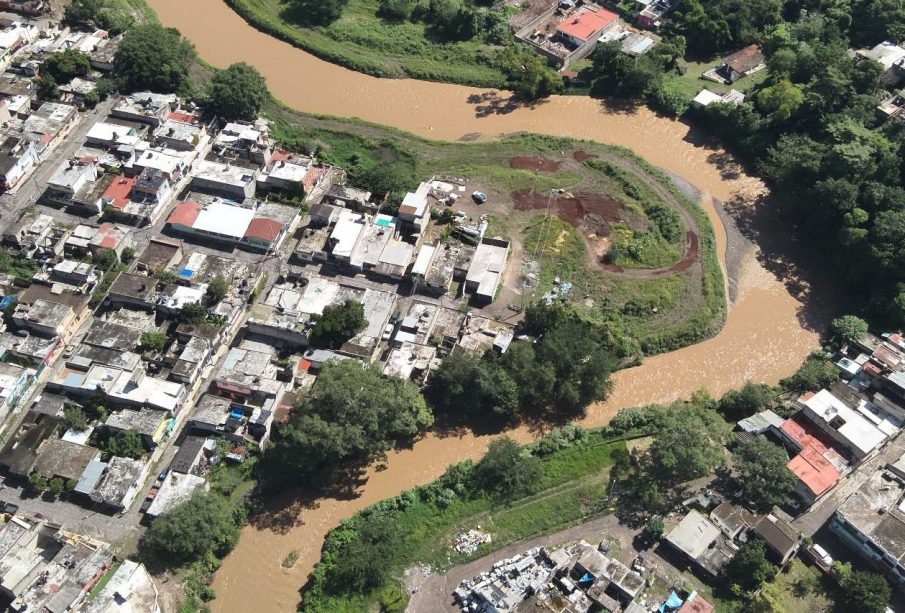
column 763, row 339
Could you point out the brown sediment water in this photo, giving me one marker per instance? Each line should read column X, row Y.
column 763, row 338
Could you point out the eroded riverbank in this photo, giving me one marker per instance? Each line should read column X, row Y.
column 767, row 333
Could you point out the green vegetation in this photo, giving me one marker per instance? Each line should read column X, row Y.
column 817, row 372
column 440, row 40
column 528, row 74
column 75, row 418
column 63, row 66
column 846, row 329
column 207, row 524
column 193, row 313
column 123, row 444
column 352, row 416
column 217, row 289
column 116, row 16
column 745, row 402
column 865, row 591
column 154, row 58
column 762, row 475
column 338, row 324
column 20, row 268
column 237, row 93
column 362, row 556
column 506, row 471
column 748, row 569
column 100, row 585
column 153, row 341
column 563, row 372
column 107, row 262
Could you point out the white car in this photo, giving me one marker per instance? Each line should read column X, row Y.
column 479, row 197
column 822, row 553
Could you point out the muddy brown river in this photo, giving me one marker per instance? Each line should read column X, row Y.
column 763, row 339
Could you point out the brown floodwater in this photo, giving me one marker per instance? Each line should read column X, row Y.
column 763, row 339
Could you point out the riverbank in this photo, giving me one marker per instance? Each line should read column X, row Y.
column 359, row 40
column 769, row 330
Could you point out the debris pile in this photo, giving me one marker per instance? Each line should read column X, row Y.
column 467, row 543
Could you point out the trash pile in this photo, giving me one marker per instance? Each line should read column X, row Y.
column 467, row 543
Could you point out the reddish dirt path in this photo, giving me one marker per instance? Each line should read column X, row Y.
column 579, row 209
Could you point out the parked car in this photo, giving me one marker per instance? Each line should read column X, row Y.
column 824, row 556
column 479, row 197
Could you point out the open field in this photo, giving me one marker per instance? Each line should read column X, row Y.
column 665, row 293
column 364, row 42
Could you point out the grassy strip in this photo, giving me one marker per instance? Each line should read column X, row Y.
column 572, row 484
column 100, row 585
column 361, row 41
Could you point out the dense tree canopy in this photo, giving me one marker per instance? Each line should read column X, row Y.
column 506, row 470
column 352, row 416
column 846, row 329
column 153, row 58
column 745, row 402
column 205, row 524
column 866, row 592
column 316, row 12
column 749, row 568
column 529, row 75
column 762, row 475
column 236, row 93
column 337, row 324
column 64, row 65
column 689, row 444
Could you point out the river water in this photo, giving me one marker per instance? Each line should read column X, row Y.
column 763, row 339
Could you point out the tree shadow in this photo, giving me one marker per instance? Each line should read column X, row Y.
column 620, row 106
column 498, row 103
column 803, row 271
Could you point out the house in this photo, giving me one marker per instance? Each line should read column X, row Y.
column 151, row 187
column 160, row 254
column 14, row 382
column 816, row 465
column 182, row 132
column 17, row 157
column 394, row 260
column 51, row 122
column 893, row 107
column 695, row 603
column 344, row 196
column 270, row 225
column 149, row 423
column 849, row 427
column 586, row 25
column 740, row 64
column 345, row 235
column 706, row 97
column 871, row 521
column 701, row 542
column 652, row 12
column 312, row 245
column 374, row 238
column 224, row 179
column 321, row 215
column 732, row 520
column 243, row 140
column 286, row 175
column 173, row 164
column 781, row 538
column 890, row 56
column 111, row 236
column 218, row 220
column 176, row 489
column 414, row 209
column 410, row 361
column 46, row 317
column 71, row 177
column 485, row 272
column 193, row 357
column 129, row 589
column 234, row 421
column 133, row 291
column 109, row 135
column 248, row 374
column 145, row 107
column 120, row 483
column 59, row 458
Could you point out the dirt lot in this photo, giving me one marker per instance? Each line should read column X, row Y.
column 535, row 163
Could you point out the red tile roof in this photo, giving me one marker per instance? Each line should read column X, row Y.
column 185, row 213
column 745, row 59
column 812, row 466
column 264, row 229
column 119, row 190
column 586, row 22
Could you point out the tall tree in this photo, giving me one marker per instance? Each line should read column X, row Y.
column 506, row 470
column 689, row 444
column 153, row 57
column 529, row 75
column 237, row 93
column 762, row 474
column 866, row 592
column 205, row 524
column 337, row 324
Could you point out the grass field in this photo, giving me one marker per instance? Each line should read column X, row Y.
column 690, row 83
column 660, row 313
column 364, row 42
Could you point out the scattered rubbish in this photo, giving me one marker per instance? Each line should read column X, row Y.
column 467, row 543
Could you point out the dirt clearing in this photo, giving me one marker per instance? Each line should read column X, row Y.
column 535, row 163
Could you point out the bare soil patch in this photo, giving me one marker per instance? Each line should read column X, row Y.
column 584, row 156
column 535, row 163
column 594, row 213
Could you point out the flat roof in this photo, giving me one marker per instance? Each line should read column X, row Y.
column 693, row 535
column 349, row 226
column 224, row 219
column 176, row 488
column 850, row 424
